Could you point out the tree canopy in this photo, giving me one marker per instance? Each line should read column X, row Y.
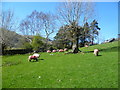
column 85, row 35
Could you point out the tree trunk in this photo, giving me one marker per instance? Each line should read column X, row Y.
column 92, row 41
column 3, row 46
column 75, row 46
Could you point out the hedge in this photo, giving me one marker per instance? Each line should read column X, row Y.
column 16, row 51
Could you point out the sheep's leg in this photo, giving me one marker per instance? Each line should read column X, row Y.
column 97, row 53
column 29, row 60
column 36, row 59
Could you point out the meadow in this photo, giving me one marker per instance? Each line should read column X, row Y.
column 59, row 70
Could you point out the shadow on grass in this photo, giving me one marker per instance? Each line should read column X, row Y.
column 33, row 60
column 41, row 59
column 99, row 55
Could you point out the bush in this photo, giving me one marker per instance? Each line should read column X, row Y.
column 17, row 51
column 27, row 45
column 37, row 43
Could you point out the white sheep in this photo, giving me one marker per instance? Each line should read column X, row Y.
column 61, row 50
column 48, row 51
column 96, row 52
column 65, row 49
column 34, row 56
column 54, row 51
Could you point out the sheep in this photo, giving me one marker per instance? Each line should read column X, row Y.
column 61, row 50
column 86, row 46
column 32, row 57
column 96, row 52
column 54, row 51
column 65, row 49
column 48, row 51
column 35, row 56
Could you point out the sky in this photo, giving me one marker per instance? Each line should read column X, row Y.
column 106, row 14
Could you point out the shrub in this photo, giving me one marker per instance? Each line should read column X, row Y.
column 27, row 45
column 37, row 43
column 17, row 51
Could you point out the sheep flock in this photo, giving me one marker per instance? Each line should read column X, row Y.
column 35, row 56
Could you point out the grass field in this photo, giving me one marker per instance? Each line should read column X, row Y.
column 63, row 71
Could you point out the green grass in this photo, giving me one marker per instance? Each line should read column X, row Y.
column 113, row 46
column 63, row 71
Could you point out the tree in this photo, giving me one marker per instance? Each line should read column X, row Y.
column 85, row 34
column 74, row 34
column 61, row 38
column 37, row 43
column 66, row 33
column 94, row 30
column 49, row 22
column 72, row 13
column 38, row 23
column 32, row 24
column 8, row 21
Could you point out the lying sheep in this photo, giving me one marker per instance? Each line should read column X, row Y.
column 61, row 50
column 65, row 49
column 48, row 51
column 96, row 52
column 34, row 57
column 54, row 51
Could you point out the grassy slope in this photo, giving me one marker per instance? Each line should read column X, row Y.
column 63, row 71
column 113, row 46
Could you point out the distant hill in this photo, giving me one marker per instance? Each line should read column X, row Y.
column 30, row 37
column 15, row 40
column 11, row 38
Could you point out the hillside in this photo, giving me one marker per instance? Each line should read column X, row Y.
column 10, row 38
column 112, row 46
column 59, row 70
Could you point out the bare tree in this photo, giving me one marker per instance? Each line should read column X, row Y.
column 75, row 14
column 31, row 24
column 8, row 21
column 49, row 22
column 38, row 23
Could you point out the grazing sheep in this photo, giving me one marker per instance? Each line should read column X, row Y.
column 35, row 56
column 96, row 52
column 32, row 57
column 54, row 51
column 48, row 51
column 61, row 50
